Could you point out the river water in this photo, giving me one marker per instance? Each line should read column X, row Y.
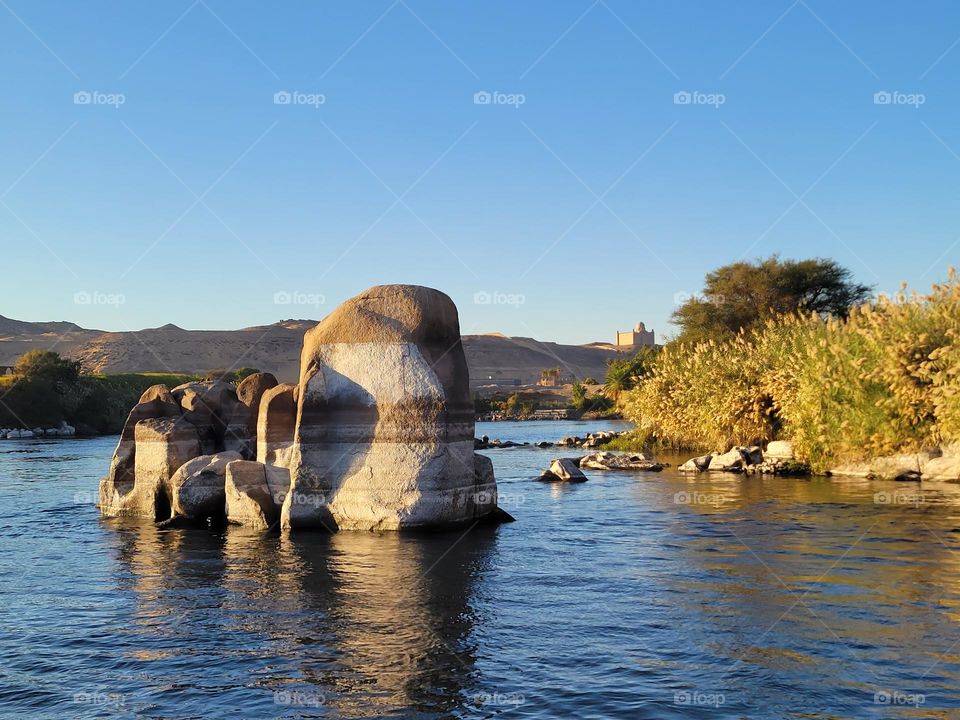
column 628, row 596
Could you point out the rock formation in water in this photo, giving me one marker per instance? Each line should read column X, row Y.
column 377, row 434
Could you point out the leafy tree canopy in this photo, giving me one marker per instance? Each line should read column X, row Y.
column 743, row 295
column 46, row 365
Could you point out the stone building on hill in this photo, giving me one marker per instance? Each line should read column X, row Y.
column 638, row 336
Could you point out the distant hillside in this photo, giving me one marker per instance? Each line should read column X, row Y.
column 497, row 358
column 17, row 328
column 274, row 348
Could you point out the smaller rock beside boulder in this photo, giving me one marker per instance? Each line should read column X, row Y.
column 697, row 464
column 241, row 431
column 563, row 470
column 197, row 487
column 779, row 450
column 733, row 460
column 945, row 468
column 905, row 467
column 248, row 498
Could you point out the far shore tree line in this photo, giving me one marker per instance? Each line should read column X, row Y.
column 46, row 389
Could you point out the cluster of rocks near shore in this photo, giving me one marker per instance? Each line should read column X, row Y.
column 61, row 431
column 591, row 441
column 377, row 434
column 571, row 469
column 941, row 464
column 777, row 459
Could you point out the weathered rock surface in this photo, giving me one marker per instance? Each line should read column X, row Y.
column 248, row 499
column 275, row 430
column 162, row 446
column 378, row 433
column 197, row 487
column 945, row 468
column 779, row 450
column 208, row 406
column 697, row 464
column 155, row 402
column 907, row 467
column 385, row 418
column 563, row 470
column 241, row 431
column 731, row 461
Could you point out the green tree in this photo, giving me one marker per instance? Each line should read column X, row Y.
column 578, row 396
column 46, row 365
column 623, row 375
column 744, row 295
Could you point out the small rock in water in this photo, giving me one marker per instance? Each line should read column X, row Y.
column 563, row 470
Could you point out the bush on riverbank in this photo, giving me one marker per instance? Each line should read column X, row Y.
column 94, row 404
column 885, row 380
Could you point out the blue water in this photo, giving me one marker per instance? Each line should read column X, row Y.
column 629, row 596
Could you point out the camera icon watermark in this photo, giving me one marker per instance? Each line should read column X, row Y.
column 496, row 297
column 899, row 497
column 895, row 97
column 499, row 699
column 899, row 698
column 85, row 297
column 696, row 97
column 298, row 698
column 484, row 97
column 696, row 698
column 96, row 97
column 685, row 497
column 295, row 97
column 295, row 297
column 99, row 698
column 316, row 500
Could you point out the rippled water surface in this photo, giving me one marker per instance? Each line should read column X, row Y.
column 629, row 596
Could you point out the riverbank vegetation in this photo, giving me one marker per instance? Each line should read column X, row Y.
column 868, row 380
column 46, row 389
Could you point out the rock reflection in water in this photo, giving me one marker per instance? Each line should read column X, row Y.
column 351, row 624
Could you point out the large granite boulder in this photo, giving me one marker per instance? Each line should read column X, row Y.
column 384, row 430
column 241, row 431
column 378, row 434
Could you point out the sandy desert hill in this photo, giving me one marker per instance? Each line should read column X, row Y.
column 492, row 358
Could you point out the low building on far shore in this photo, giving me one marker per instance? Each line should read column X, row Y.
column 639, row 336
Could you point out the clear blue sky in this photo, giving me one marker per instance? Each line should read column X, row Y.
column 597, row 200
